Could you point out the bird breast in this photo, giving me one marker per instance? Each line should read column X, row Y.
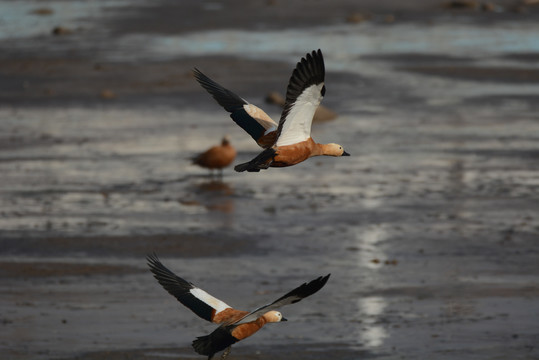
column 245, row 330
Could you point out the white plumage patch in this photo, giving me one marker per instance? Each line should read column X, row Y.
column 260, row 116
column 297, row 125
column 203, row 296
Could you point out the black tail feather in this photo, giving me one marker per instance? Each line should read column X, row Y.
column 246, row 167
column 217, row 341
column 261, row 162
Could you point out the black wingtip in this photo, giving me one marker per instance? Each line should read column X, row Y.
column 325, row 278
column 224, row 97
column 321, row 281
column 152, row 259
column 310, row 70
column 309, row 288
column 198, row 74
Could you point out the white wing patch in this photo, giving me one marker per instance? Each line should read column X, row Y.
column 297, row 126
column 260, row 116
column 215, row 303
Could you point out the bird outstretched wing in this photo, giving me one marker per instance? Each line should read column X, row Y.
column 292, row 297
column 194, row 298
column 304, row 93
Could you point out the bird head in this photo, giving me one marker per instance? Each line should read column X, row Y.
column 274, row 316
column 335, row 150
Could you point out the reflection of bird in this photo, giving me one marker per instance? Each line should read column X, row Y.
column 292, row 142
column 235, row 325
column 216, row 157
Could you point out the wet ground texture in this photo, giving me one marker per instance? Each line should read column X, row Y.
column 430, row 229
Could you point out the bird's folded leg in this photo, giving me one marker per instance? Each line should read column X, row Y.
column 226, row 353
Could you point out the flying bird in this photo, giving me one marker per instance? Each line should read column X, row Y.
column 216, row 157
column 289, row 142
column 234, row 325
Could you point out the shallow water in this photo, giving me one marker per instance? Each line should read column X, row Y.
column 429, row 229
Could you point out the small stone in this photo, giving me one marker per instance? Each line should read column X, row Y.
column 356, row 18
column 107, row 94
column 275, row 98
column 389, row 19
column 462, row 4
column 60, row 30
column 491, row 7
column 42, row 11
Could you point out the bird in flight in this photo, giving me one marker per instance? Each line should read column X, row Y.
column 234, row 325
column 289, row 142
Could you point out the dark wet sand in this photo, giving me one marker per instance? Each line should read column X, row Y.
column 430, row 229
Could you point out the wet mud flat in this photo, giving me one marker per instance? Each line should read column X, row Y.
column 430, row 229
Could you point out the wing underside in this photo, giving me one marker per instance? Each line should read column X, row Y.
column 194, row 298
column 304, row 93
column 292, row 297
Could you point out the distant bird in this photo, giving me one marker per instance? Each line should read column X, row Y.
column 235, row 325
column 216, row 157
column 289, row 142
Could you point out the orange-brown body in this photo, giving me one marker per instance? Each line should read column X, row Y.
column 294, row 154
column 288, row 155
column 245, row 330
column 217, row 157
column 228, row 316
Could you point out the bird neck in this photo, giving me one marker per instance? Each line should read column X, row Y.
column 245, row 330
column 261, row 321
column 323, row 149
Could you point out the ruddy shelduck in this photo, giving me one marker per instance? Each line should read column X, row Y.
column 289, row 142
column 216, row 157
column 235, row 325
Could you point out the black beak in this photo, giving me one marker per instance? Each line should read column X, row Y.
column 284, row 319
column 345, row 153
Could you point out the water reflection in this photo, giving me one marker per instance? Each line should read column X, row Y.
column 371, row 255
column 215, row 186
column 216, row 195
column 453, row 38
column 370, row 309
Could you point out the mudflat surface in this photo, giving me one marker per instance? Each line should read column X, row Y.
column 430, row 229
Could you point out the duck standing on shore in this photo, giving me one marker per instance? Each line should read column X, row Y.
column 217, row 157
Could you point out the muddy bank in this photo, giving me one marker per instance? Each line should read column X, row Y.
column 429, row 229
column 181, row 245
column 32, row 81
